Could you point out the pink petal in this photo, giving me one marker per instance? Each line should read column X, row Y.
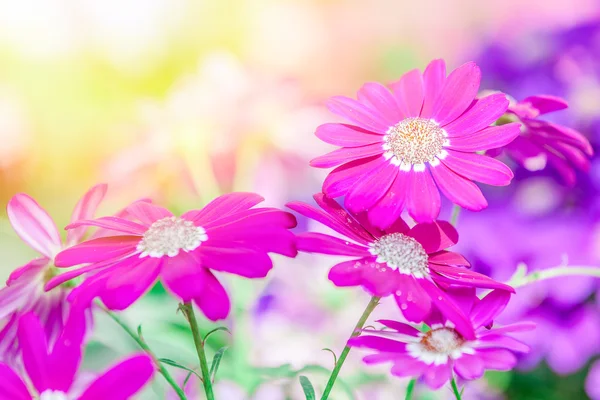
column 347, row 273
column 378, row 279
column 413, row 300
column 252, row 219
column 358, row 113
column 66, row 354
column 435, row 236
column 85, row 209
column 408, row 366
column 480, row 115
column 183, row 275
column 97, row 250
column 516, row 327
column 34, row 347
column 378, row 98
column 223, row 206
column 461, row 276
column 346, row 135
column 68, row 275
column 147, row 213
column 435, row 376
column 546, row 103
column 459, row 91
column 458, row 189
column 121, row 381
column 399, row 327
column 434, row 79
column 334, row 209
column 341, row 179
column 559, row 133
column 501, row 341
column 491, row 137
column 571, row 154
column 409, row 93
column 346, row 154
column 448, row 258
column 479, row 168
column 112, row 223
column 378, row 343
column 247, row 262
column 33, row 224
column 28, row 270
column 497, row 359
column 268, row 239
column 371, row 187
column 485, row 311
column 388, row 209
column 423, row 197
column 469, row 366
column 379, row 358
column 312, row 242
column 214, row 301
column 11, row 386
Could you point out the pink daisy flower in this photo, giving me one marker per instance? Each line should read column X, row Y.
column 408, row 263
column 52, row 369
column 227, row 235
column 412, row 140
column 544, row 143
column 24, row 289
column 435, row 354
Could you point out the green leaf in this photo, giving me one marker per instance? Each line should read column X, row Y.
column 216, row 361
column 221, row 328
column 177, row 365
column 309, row 391
column 185, row 381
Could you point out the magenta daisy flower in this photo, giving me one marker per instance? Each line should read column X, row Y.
column 409, row 263
column 433, row 355
column 52, row 370
column 24, row 289
column 227, row 235
column 412, row 140
column 544, row 143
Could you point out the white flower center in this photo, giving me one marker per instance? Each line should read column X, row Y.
column 414, row 141
column 403, row 252
column 169, row 235
column 53, row 395
column 439, row 344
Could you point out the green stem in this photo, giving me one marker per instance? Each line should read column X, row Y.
column 188, row 310
column 409, row 389
column 338, row 365
column 521, row 279
column 455, row 389
column 455, row 213
column 146, row 349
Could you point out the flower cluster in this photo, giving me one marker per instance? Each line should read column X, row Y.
column 424, row 134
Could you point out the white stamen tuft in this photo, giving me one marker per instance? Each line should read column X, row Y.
column 415, row 141
column 438, row 345
column 53, row 395
column 403, row 252
column 169, row 235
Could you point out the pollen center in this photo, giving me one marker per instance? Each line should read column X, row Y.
column 442, row 341
column 414, row 141
column 403, row 252
column 53, row 395
column 169, row 235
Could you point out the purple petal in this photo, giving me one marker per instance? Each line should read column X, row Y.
column 85, row 209
column 479, row 168
column 460, row 88
column 435, row 236
column 435, row 376
column 346, row 135
column 497, row 359
column 371, row 187
column 408, row 366
column 11, row 386
column 312, row 242
column 379, row 98
column 502, row 341
column 461, row 276
column 516, row 327
column 546, row 103
column 485, row 311
column 413, row 300
column 434, row 78
column 481, row 114
column 469, row 366
column 491, row 137
column 423, row 197
column 409, row 93
column 358, row 113
column 388, row 209
column 341, row 179
column 399, row 327
column 346, row 154
column 214, row 301
column 458, row 189
column 448, row 258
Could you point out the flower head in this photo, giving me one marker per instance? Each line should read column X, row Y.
column 24, row 289
column 227, row 235
column 434, row 354
column 543, row 143
column 52, row 370
column 412, row 140
column 409, row 263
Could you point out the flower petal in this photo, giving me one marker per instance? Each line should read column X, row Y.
column 347, row 273
column 223, row 206
column 516, row 327
column 341, row 179
column 458, row 189
column 469, row 366
column 409, row 93
column 33, row 224
column 399, row 327
column 346, row 154
column 97, row 250
column 480, row 115
column 487, row 309
column 358, row 113
column 379, row 98
column 502, row 341
column 448, row 258
column 434, row 78
column 11, row 386
column 413, row 300
column 435, row 376
column 497, row 359
column 460, row 88
column 247, row 262
column 389, row 208
column 378, row 343
column 34, row 348
column 183, row 275
column 85, row 209
column 344, row 135
column 147, row 213
column 479, row 168
column 492, row 137
column 371, row 187
column 313, row 242
column 462, row 276
column 546, row 103
column 423, row 198
column 435, row 236
column 112, row 223
column 214, row 301
column 408, row 366
column 28, row 270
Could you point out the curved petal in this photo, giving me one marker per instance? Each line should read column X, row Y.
column 268, row 239
column 30, row 269
column 462, row 276
column 492, row 137
column 376, row 278
column 413, row 300
column 485, row 311
column 407, row 366
column 458, row 189
column 479, row 168
column 409, row 93
column 377, row 343
column 33, row 224
column 11, row 386
column 358, row 113
column 346, row 154
column 480, row 115
column 243, row 261
column 334, row 209
column 312, row 242
column 97, row 250
column 371, row 187
column 497, row 359
column 112, row 223
column 223, row 206
column 147, row 213
column 546, row 103
column 502, row 341
column 251, row 219
column 459, row 91
column 184, row 276
column 423, row 198
column 389, row 208
column 435, row 236
column 34, row 348
column 214, row 301
column 448, row 258
column 516, row 327
column 469, row 367
column 344, row 135
column 434, row 78
column 85, row 209
column 341, row 179
column 121, row 381
column 379, row 98
column 435, row 376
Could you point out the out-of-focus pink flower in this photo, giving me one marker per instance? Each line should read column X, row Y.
column 409, row 263
column 544, row 143
column 592, row 382
column 24, row 289
column 226, row 235
column 434, row 354
column 413, row 140
column 52, row 369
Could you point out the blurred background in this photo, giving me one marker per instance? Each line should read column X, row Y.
column 180, row 100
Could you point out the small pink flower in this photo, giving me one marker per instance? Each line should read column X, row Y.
column 544, row 143
column 413, row 140
column 52, row 369
column 227, row 235
column 409, row 263
column 434, row 354
column 24, row 289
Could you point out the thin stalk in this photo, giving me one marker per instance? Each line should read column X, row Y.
column 338, row 365
column 409, row 389
column 455, row 389
column 520, row 279
column 144, row 346
column 455, row 213
column 188, row 311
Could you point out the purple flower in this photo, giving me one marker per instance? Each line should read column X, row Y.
column 592, row 382
column 434, row 354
